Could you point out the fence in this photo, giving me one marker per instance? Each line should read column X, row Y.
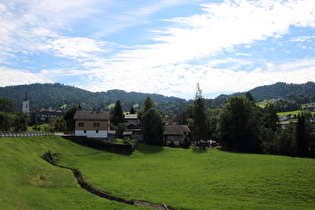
column 12, row 134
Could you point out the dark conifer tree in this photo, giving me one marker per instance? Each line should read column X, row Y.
column 117, row 115
column 132, row 110
column 301, row 137
column 200, row 130
column 148, row 104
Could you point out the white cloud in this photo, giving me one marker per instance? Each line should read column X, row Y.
column 17, row 77
column 78, row 47
column 169, row 66
column 161, row 67
column 302, row 38
column 180, row 79
column 224, row 26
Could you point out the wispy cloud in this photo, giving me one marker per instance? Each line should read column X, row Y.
column 15, row 76
column 201, row 48
column 303, row 38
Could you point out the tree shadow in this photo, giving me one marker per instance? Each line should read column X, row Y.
column 149, row 149
column 198, row 150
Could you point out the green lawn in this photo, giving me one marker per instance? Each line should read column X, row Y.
column 183, row 179
column 29, row 182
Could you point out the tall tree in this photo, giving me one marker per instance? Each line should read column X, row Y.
column 132, row 110
column 302, row 145
column 117, row 115
column 68, row 117
column 200, row 129
column 148, row 104
column 238, row 125
column 7, row 105
column 152, row 123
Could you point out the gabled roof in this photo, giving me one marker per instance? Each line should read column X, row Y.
column 176, row 129
column 91, row 115
column 131, row 116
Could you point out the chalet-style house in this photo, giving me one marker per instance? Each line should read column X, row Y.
column 310, row 108
column 133, row 126
column 175, row 134
column 92, row 124
column 43, row 115
column 132, row 123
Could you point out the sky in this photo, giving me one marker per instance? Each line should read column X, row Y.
column 158, row 46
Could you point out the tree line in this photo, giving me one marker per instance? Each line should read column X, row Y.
column 242, row 126
column 239, row 125
column 10, row 119
column 63, row 96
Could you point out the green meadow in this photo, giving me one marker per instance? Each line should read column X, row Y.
column 182, row 179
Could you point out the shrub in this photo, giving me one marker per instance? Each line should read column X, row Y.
column 50, row 157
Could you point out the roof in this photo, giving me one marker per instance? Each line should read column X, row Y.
column 42, row 110
column 131, row 116
column 176, row 129
column 91, row 115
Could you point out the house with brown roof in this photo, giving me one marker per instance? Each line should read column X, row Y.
column 92, row 124
column 175, row 134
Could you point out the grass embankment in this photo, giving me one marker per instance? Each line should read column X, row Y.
column 183, row 179
column 29, row 182
column 198, row 179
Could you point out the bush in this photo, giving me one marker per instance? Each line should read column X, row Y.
column 50, row 157
column 186, row 142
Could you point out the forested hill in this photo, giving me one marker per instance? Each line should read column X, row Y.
column 268, row 92
column 282, row 90
column 57, row 95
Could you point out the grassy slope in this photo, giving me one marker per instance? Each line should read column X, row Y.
column 28, row 182
column 184, row 179
column 211, row 179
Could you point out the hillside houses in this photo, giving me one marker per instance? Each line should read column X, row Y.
column 96, row 124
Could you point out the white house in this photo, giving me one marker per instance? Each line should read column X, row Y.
column 92, row 124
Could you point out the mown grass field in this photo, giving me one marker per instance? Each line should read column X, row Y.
column 29, row 182
column 183, row 179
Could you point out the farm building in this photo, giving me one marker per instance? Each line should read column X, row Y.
column 175, row 134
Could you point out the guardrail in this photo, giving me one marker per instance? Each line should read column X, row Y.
column 12, row 134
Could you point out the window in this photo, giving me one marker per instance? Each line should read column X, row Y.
column 96, row 125
column 81, row 124
column 84, row 131
column 96, row 131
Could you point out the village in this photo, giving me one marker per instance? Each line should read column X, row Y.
column 95, row 124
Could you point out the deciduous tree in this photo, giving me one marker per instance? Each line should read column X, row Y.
column 68, row 117
column 152, row 123
column 238, row 125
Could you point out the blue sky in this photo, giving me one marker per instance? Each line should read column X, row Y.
column 152, row 46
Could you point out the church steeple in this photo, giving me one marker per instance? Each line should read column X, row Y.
column 26, row 105
column 26, row 99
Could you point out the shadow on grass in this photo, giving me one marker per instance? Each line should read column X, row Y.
column 101, row 146
column 198, row 150
column 148, row 149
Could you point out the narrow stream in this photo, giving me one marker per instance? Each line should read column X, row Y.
column 85, row 185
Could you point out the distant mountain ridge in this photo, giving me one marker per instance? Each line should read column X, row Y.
column 56, row 95
column 278, row 90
